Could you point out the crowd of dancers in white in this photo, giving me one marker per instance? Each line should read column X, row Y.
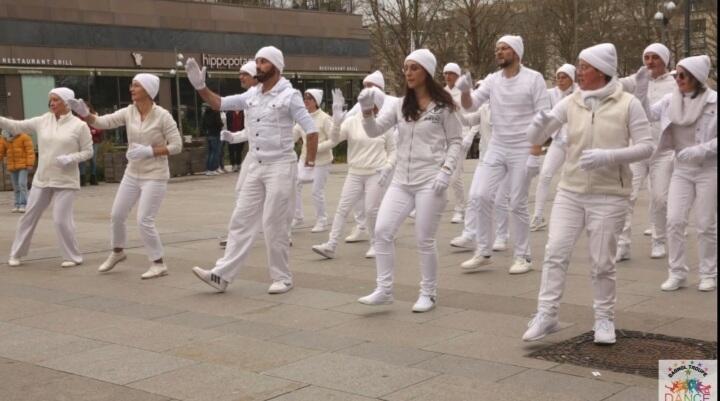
column 608, row 134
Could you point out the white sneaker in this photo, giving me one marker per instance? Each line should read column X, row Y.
column 280, row 287
column 378, row 297
column 113, row 259
column 370, row 254
column 658, row 250
column 457, row 218
column 296, row 223
column 324, row 250
column 69, row 263
column 604, row 332
column 463, row 242
column 21, row 209
column 211, row 172
column 220, row 170
column 155, row 270
column 520, row 266
column 707, row 284
column 211, row 279
column 648, row 232
column 14, row 210
column 622, row 253
column 499, row 245
column 320, row 226
column 14, row 262
column 358, row 234
column 424, row 303
column 541, row 325
column 538, row 223
column 475, row 263
column 673, row 284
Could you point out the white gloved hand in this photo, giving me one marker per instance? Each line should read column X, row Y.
column 442, row 180
column 79, row 107
column 195, row 74
column 464, row 83
column 590, row 159
column 306, row 174
column 226, row 136
column 366, row 100
column 693, row 154
column 532, row 166
column 138, row 152
column 642, row 80
column 386, row 174
column 338, row 102
column 64, row 160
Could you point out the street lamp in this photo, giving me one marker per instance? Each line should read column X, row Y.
column 662, row 18
column 174, row 71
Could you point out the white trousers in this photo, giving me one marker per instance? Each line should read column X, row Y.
column 500, row 163
column 601, row 216
column 359, row 213
column 148, row 195
column 693, row 186
column 318, row 194
column 554, row 159
column 500, row 212
column 39, row 200
column 357, row 187
column 458, row 186
column 658, row 170
column 397, row 204
column 266, row 198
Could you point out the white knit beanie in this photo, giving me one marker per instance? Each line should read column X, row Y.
column 317, row 94
column 63, row 93
column 698, row 66
column 452, row 67
column 376, row 78
column 602, row 56
column 425, row 58
column 149, row 82
column 661, row 50
column 273, row 55
column 515, row 42
column 567, row 69
column 250, row 68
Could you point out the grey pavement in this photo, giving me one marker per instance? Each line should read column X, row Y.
column 74, row 334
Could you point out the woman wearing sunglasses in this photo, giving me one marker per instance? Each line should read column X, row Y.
column 428, row 147
column 688, row 118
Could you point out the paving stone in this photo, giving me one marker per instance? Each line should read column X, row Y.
column 16, row 308
column 150, row 335
column 316, row 340
column 351, row 374
column 395, row 355
column 117, row 364
column 398, row 310
column 195, row 319
column 259, row 330
column 635, row 394
column 299, row 317
column 312, row 393
column 394, row 332
column 552, row 382
column 468, row 367
column 143, row 311
column 34, row 345
column 74, row 321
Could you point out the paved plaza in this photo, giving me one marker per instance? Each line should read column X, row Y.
column 73, row 334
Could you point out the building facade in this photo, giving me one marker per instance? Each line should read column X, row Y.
column 95, row 47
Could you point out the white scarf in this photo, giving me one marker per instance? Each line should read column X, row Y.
column 592, row 98
column 683, row 109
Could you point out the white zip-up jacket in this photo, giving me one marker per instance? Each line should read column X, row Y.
column 705, row 127
column 67, row 135
column 365, row 155
column 324, row 124
column 423, row 146
column 269, row 119
column 158, row 129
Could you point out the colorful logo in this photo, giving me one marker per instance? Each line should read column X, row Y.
column 684, row 380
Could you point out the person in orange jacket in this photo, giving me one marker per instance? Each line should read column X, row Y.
column 20, row 155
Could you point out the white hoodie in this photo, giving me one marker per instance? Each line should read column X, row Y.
column 365, row 155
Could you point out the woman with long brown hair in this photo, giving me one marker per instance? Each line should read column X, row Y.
column 428, row 145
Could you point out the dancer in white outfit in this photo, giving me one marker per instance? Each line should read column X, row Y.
column 428, row 147
column 267, row 194
column 451, row 73
column 370, row 166
column 688, row 120
column 313, row 99
column 515, row 94
column 564, row 86
column 63, row 141
column 152, row 136
column 592, row 196
column 657, row 169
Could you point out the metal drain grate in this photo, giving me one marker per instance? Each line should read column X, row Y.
column 635, row 352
